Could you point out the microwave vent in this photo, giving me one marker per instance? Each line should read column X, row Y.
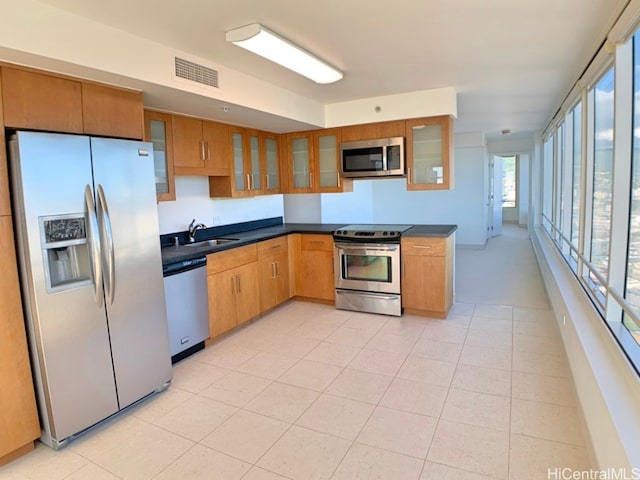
column 196, row 73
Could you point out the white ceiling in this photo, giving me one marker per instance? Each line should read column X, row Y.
column 511, row 61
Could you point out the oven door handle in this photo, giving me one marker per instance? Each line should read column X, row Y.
column 362, row 248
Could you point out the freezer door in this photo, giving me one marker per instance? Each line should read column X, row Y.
column 66, row 321
column 132, row 266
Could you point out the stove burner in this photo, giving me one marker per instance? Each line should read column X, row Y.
column 370, row 233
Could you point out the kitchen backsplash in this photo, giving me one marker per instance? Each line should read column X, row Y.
column 193, row 201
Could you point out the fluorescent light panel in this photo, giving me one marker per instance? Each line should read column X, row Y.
column 262, row 41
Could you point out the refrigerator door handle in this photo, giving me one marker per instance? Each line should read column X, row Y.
column 93, row 237
column 108, row 252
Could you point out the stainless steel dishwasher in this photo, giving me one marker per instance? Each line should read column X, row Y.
column 185, row 289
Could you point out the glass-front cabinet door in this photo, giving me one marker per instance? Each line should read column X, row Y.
column 271, row 164
column 254, row 179
column 300, row 162
column 239, row 178
column 157, row 130
column 429, row 154
column 327, row 149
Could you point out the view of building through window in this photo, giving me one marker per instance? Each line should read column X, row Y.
column 576, row 185
column 509, row 182
column 602, row 173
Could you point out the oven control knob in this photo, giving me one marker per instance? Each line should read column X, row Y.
column 384, row 233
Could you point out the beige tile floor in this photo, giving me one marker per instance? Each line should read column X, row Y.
column 310, row 392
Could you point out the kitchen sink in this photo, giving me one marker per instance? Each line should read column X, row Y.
column 212, row 242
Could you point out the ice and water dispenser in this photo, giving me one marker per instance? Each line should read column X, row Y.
column 66, row 252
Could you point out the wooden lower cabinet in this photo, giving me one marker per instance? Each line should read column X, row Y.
column 427, row 275
column 233, row 289
column 273, row 270
column 19, row 425
column 314, row 267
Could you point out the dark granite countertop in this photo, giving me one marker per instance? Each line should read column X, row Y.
column 252, row 232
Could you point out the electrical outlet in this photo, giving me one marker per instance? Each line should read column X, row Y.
column 216, row 219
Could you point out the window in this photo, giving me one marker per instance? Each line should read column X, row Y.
column 597, row 230
column 632, row 281
column 602, row 177
column 576, row 185
column 509, row 182
column 559, row 217
column 547, row 182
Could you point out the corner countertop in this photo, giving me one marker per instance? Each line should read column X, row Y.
column 174, row 254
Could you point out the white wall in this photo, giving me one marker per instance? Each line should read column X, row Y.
column 352, row 207
column 426, row 103
column 302, row 208
column 193, row 201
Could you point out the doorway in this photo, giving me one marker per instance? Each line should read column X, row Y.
column 507, row 201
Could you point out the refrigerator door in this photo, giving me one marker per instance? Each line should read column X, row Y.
column 132, row 266
column 65, row 314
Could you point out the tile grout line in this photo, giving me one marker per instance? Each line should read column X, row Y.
column 444, row 403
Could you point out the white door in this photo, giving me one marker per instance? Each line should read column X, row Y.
column 495, row 195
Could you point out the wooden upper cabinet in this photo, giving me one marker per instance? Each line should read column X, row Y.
column 189, row 150
column 200, row 147
column 372, row 131
column 326, row 158
column 429, row 153
column 158, row 131
column 270, row 162
column 112, row 112
column 49, row 102
column 216, row 138
column 41, row 102
column 300, row 162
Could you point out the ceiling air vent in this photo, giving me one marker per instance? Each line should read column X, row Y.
column 196, row 73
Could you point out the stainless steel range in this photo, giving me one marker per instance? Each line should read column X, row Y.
column 367, row 268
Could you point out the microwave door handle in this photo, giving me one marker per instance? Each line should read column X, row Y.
column 385, row 165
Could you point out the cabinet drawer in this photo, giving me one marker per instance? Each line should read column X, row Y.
column 271, row 247
column 221, row 261
column 319, row 242
column 431, row 247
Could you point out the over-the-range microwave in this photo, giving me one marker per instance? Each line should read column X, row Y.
column 372, row 158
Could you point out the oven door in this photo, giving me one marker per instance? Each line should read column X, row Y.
column 370, row 267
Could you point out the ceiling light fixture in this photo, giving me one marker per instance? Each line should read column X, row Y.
column 262, row 41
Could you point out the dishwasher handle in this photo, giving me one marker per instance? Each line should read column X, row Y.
column 184, row 266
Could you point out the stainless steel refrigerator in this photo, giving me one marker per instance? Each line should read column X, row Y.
column 91, row 275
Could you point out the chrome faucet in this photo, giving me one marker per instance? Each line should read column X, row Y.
column 193, row 228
